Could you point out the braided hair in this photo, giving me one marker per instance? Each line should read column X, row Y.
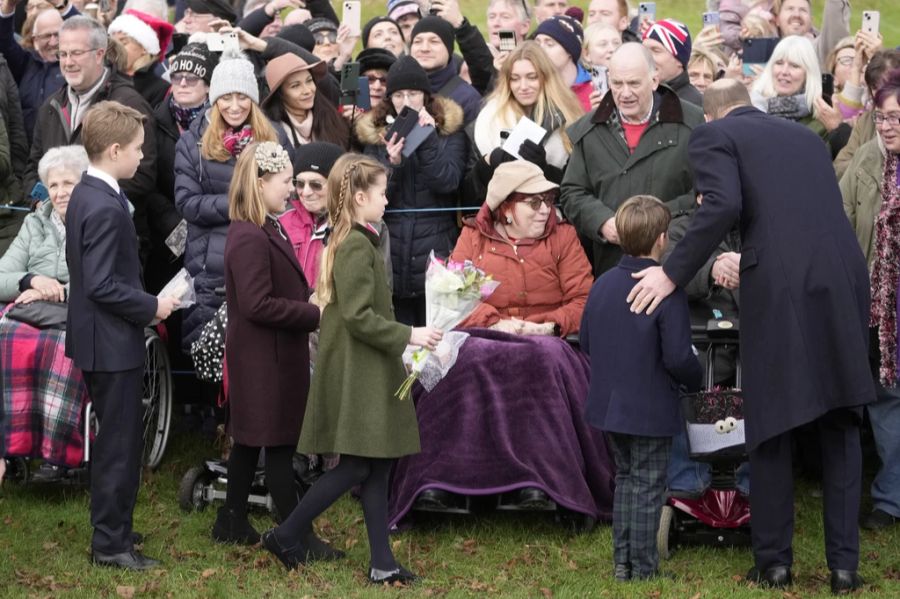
column 352, row 173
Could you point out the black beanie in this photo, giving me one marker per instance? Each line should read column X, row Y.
column 407, row 73
column 437, row 26
column 299, row 35
column 316, row 157
column 367, row 28
column 375, row 58
column 195, row 59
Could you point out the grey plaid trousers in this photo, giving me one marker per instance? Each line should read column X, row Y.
column 640, row 490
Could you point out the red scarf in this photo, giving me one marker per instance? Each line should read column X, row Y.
column 236, row 141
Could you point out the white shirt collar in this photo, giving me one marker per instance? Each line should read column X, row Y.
column 104, row 176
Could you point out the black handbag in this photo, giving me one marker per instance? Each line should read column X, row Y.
column 40, row 314
column 208, row 351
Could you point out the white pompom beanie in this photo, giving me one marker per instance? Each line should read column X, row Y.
column 233, row 74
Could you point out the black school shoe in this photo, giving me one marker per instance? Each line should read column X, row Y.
column 232, row 527
column 878, row 519
column 129, row 560
column 399, row 575
column 844, row 582
column 776, row 577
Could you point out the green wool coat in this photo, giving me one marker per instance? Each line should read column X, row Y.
column 351, row 408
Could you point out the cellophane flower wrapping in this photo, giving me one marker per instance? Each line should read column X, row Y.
column 452, row 292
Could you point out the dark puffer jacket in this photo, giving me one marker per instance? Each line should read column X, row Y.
column 201, row 196
column 430, row 178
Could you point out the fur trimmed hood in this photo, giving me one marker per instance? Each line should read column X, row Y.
column 369, row 131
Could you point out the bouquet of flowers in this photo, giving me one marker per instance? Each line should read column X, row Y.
column 452, row 291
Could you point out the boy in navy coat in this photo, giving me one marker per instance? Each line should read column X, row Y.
column 637, row 365
column 108, row 310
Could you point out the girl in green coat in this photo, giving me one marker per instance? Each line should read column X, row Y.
column 351, row 409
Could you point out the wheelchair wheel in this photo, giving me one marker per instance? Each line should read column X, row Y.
column 157, row 399
column 665, row 535
column 190, row 491
column 17, row 470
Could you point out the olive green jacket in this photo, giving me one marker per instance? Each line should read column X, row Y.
column 351, row 408
column 863, row 132
column 861, row 189
column 602, row 174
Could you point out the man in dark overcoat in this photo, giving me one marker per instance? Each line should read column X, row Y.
column 804, row 316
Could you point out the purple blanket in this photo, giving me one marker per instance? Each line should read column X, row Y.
column 509, row 414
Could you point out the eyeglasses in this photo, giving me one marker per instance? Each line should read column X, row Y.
column 377, row 78
column 185, row 79
column 314, row 185
column 891, row 119
column 845, row 61
column 45, row 37
column 74, row 54
column 408, row 94
column 325, row 37
column 534, row 202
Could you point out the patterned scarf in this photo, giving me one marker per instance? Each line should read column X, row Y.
column 236, row 141
column 788, row 107
column 185, row 116
column 886, row 272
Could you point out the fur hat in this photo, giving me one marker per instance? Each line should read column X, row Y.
column 437, row 26
column 375, row 58
column 316, row 157
column 674, row 36
column 407, row 73
column 195, row 59
column 517, row 175
column 566, row 31
column 233, row 74
column 151, row 33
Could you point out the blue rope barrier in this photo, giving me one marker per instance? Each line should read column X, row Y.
column 11, row 207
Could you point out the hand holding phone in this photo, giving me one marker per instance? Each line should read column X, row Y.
column 507, row 40
column 870, row 21
column 647, row 11
column 711, row 19
column 352, row 15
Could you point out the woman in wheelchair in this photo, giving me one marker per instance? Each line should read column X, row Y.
column 43, row 396
column 508, row 419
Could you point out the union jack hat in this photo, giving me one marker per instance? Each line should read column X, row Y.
column 674, row 36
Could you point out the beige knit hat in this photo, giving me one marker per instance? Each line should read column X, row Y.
column 518, row 175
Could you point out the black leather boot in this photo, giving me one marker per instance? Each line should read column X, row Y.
column 234, row 527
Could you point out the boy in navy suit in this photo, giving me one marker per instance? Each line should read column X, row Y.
column 637, row 365
column 108, row 310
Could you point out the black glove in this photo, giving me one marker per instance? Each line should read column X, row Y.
column 534, row 153
column 499, row 156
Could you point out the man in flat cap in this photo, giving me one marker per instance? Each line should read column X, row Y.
column 199, row 13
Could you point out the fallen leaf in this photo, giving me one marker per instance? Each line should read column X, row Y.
column 695, row 596
column 396, row 545
column 571, row 565
column 547, row 593
column 208, row 572
column 737, row 578
column 48, row 546
column 125, row 592
column 351, row 542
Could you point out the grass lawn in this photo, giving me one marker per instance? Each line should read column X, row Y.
column 45, row 535
column 689, row 11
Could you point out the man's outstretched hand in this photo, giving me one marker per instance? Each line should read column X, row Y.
column 653, row 287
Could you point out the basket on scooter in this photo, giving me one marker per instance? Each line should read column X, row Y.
column 714, row 421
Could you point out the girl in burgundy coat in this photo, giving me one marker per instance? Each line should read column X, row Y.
column 269, row 320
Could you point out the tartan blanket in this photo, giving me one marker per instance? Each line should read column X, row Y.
column 43, row 395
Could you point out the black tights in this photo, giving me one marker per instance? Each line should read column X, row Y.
column 279, row 477
column 372, row 474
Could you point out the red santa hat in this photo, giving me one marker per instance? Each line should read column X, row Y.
column 151, row 33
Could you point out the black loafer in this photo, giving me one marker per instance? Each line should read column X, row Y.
column 776, row 577
column 400, row 575
column 878, row 519
column 844, row 582
column 320, row 550
column 533, row 498
column 434, row 499
column 129, row 560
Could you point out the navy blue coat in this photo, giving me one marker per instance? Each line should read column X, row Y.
column 804, row 282
column 201, row 197
column 637, row 361
column 108, row 308
column 429, row 178
column 37, row 80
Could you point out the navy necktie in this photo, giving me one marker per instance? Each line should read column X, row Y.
column 123, row 199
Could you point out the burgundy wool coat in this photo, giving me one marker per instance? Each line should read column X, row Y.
column 266, row 340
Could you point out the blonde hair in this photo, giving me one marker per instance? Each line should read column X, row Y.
column 639, row 223
column 798, row 50
column 351, row 174
column 843, row 44
column 555, row 96
column 754, row 25
column 245, row 201
column 211, row 145
column 108, row 123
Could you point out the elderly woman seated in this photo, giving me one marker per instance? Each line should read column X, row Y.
column 508, row 417
column 43, row 394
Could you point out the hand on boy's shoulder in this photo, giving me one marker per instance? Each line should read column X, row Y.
column 652, row 287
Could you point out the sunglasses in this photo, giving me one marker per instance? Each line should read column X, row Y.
column 186, row 79
column 534, row 202
column 325, row 37
column 377, row 78
column 314, row 185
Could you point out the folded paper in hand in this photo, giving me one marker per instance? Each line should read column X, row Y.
column 524, row 129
